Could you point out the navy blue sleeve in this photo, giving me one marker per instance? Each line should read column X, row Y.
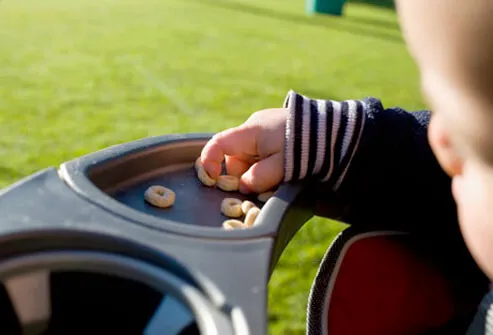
column 394, row 179
column 371, row 165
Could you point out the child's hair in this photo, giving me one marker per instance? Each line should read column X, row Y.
column 455, row 56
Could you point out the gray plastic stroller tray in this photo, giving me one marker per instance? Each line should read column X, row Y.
column 195, row 203
column 117, row 177
column 95, row 203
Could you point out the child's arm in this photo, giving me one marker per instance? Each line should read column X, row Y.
column 392, row 181
column 375, row 164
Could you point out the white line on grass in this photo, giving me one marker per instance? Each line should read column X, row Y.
column 159, row 85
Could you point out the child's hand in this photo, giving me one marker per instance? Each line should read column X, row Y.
column 308, row 138
column 253, row 151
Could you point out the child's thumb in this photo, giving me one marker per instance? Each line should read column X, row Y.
column 263, row 175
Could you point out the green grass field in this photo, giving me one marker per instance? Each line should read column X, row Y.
column 78, row 76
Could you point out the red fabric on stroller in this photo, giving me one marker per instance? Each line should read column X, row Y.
column 376, row 283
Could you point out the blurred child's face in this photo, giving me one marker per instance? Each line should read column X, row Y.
column 452, row 44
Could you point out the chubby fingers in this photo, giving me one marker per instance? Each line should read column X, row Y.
column 263, row 175
column 240, row 143
column 235, row 166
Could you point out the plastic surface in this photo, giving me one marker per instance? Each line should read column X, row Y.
column 115, row 178
column 195, row 204
column 94, row 203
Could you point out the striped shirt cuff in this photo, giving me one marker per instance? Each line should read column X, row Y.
column 321, row 138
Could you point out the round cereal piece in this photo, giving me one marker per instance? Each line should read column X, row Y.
column 198, row 164
column 251, row 216
column 160, row 196
column 263, row 197
column 228, row 183
column 205, row 178
column 246, row 206
column 232, row 224
column 231, row 207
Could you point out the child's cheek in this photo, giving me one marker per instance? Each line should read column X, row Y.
column 473, row 196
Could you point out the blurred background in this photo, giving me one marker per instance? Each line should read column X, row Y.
column 78, row 76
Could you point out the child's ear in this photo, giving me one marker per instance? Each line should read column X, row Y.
column 445, row 152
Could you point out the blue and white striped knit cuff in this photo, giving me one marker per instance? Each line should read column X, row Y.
column 321, row 138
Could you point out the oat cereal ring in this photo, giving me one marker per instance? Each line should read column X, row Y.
column 204, row 177
column 247, row 205
column 231, row 207
column 197, row 164
column 263, row 197
column 160, row 196
column 251, row 216
column 233, row 224
column 228, row 183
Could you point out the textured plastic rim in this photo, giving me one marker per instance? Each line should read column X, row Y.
column 75, row 174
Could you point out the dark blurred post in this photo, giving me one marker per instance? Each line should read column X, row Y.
column 331, row 7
